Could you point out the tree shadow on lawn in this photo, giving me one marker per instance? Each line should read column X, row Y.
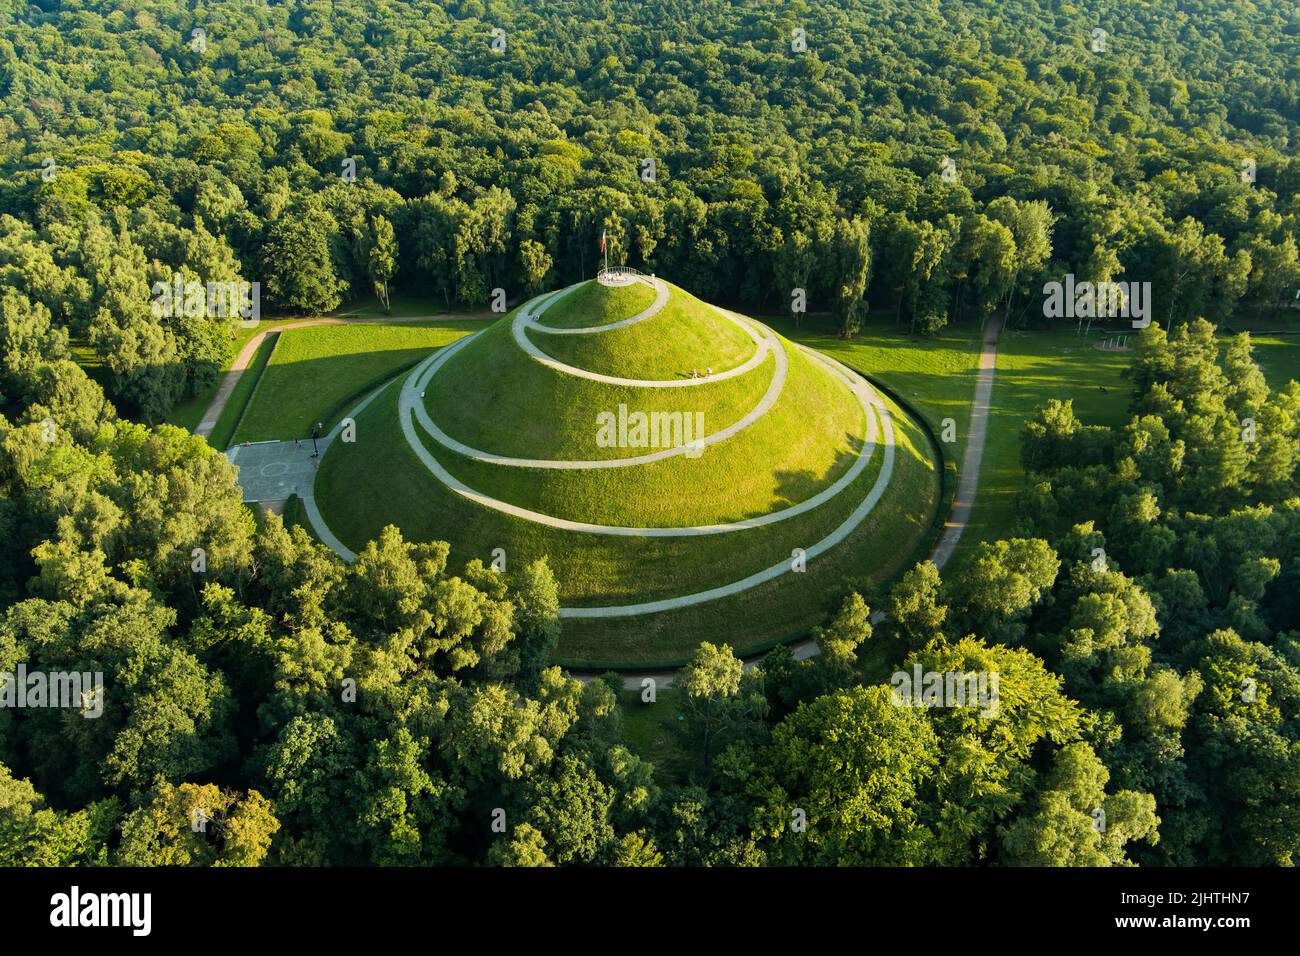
column 1099, row 399
column 798, row 485
column 293, row 396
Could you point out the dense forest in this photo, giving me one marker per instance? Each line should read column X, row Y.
column 940, row 162
column 969, row 150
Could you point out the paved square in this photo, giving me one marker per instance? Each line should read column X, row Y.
column 274, row 470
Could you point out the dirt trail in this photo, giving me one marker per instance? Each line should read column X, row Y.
column 967, row 488
column 968, row 484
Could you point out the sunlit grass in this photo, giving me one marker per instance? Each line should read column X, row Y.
column 1278, row 357
column 188, row 414
column 494, row 397
column 935, row 374
column 594, row 304
column 317, row 370
column 1032, row 369
column 807, row 439
column 685, row 335
column 223, row 433
column 368, row 306
column 378, row 480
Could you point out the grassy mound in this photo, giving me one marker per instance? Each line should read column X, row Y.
column 594, row 304
column 491, row 395
column 378, row 481
column 808, row 439
column 494, row 397
column 686, row 334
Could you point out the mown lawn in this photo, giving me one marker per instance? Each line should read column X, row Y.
column 381, row 481
column 806, row 440
column 489, row 399
column 378, row 480
column 892, row 538
column 593, row 569
column 317, row 371
column 594, row 304
column 685, row 335
column 1032, row 369
column 1278, row 356
column 937, row 375
column 492, row 396
column 188, row 414
column 651, row 732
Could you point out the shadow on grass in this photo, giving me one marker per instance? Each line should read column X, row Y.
column 798, row 485
column 293, row 396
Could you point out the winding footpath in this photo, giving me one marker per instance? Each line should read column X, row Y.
column 958, row 519
column 412, row 410
column 968, row 480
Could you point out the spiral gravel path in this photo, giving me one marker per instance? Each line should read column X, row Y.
column 526, row 316
column 879, row 430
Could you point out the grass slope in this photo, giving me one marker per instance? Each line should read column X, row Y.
column 891, row 539
column 807, row 440
column 188, row 414
column 492, row 396
column 594, row 304
column 936, row 374
column 318, row 370
column 686, row 334
column 377, row 481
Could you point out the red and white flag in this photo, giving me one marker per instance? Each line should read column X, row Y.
column 602, row 240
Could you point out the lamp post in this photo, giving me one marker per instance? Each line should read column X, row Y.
column 315, row 451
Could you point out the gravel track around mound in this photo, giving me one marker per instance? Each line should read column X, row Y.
column 526, row 316
column 425, row 372
column 878, row 420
